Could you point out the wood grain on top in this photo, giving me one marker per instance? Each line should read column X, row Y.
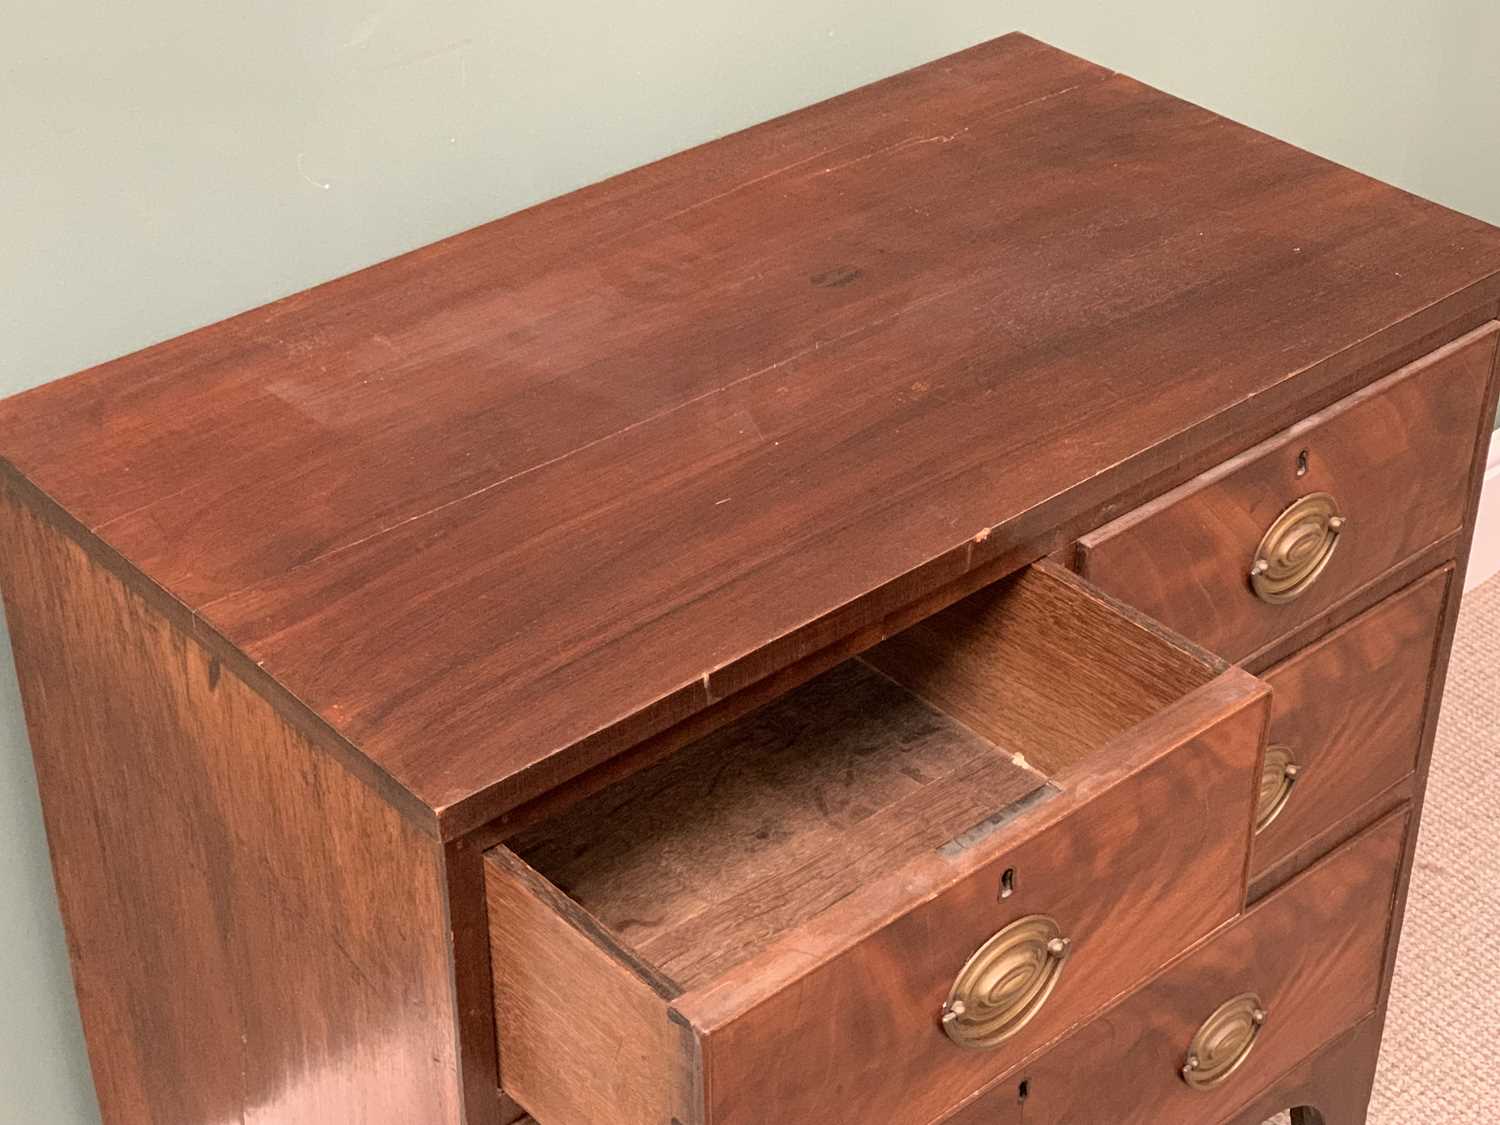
column 498, row 508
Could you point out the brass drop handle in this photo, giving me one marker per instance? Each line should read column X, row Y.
column 1278, row 774
column 1005, row 983
column 1296, row 548
column 1224, row 1042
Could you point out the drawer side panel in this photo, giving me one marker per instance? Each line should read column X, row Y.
column 584, row 1036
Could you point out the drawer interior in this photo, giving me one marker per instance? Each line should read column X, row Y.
column 936, row 738
column 699, row 862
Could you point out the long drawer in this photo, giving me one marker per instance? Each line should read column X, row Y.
column 1251, row 550
column 852, row 907
column 1200, row 1040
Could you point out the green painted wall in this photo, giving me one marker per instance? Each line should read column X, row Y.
column 166, row 163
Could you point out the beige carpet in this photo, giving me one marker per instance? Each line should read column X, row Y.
column 1439, row 1064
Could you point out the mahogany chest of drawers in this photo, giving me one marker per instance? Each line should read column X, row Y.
column 931, row 609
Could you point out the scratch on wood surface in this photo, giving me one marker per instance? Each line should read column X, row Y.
column 975, row 540
column 909, row 142
column 707, row 201
column 986, row 827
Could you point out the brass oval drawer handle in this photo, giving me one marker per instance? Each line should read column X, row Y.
column 1296, row 547
column 1005, row 983
column 1224, row 1042
column 1278, row 774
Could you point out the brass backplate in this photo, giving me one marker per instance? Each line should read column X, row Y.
column 1278, row 773
column 1296, row 548
column 1005, row 983
column 1224, row 1042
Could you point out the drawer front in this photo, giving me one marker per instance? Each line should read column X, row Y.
column 1320, row 510
column 1310, row 958
column 1346, row 716
column 1132, row 868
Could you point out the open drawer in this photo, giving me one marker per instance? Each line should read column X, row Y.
column 875, row 895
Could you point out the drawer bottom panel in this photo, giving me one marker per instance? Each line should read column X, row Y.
column 1309, row 957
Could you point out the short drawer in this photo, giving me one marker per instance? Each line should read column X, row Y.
column 1246, row 553
column 1346, row 718
column 1300, row 968
column 880, row 892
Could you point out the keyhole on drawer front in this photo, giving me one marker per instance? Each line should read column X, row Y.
column 1023, row 1091
column 1302, row 463
column 1008, row 882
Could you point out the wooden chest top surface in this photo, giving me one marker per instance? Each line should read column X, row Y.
column 495, row 509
